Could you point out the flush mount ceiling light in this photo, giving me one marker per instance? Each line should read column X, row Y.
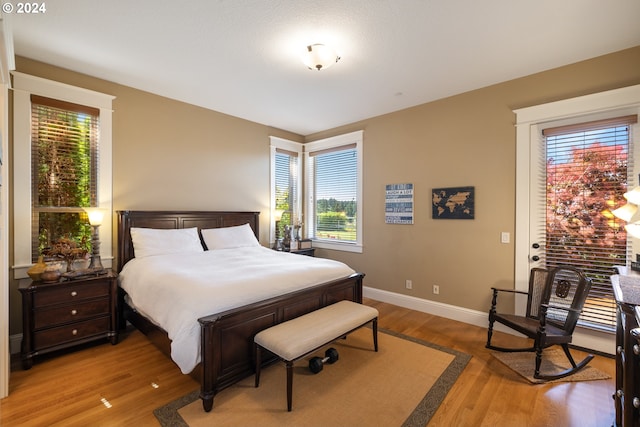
column 319, row 57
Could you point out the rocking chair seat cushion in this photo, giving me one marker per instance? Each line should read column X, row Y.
column 527, row 326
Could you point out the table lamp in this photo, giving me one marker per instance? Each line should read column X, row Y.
column 96, row 215
column 278, row 216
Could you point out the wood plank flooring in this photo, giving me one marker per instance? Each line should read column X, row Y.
column 134, row 378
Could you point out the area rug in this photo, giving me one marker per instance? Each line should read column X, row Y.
column 402, row 384
column 553, row 361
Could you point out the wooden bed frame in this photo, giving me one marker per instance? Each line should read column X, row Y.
column 228, row 353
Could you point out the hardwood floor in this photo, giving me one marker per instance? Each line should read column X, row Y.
column 135, row 378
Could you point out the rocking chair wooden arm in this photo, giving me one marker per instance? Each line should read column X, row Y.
column 513, row 291
column 544, row 307
column 494, row 300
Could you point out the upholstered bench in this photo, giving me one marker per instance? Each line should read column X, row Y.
column 298, row 337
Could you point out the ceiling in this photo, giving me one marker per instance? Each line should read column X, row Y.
column 242, row 57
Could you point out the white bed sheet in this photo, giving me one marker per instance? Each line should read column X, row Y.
column 175, row 290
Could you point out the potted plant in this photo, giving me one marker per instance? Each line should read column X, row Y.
column 67, row 250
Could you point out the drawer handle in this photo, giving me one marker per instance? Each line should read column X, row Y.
column 636, row 349
column 74, row 293
column 619, row 349
column 636, row 402
column 619, row 393
column 74, row 332
column 74, row 312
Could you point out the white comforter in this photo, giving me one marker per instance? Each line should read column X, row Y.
column 174, row 291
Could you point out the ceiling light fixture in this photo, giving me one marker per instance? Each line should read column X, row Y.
column 319, row 57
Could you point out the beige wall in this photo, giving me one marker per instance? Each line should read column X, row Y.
column 465, row 140
column 170, row 155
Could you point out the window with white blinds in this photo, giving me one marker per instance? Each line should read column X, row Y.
column 588, row 169
column 64, row 153
column 334, row 192
column 286, row 186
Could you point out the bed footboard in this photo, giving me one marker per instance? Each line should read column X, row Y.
column 227, row 338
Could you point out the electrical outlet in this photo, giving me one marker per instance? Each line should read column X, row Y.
column 408, row 284
column 436, row 289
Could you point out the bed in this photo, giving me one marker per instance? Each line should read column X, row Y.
column 226, row 337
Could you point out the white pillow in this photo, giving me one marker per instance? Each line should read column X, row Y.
column 229, row 237
column 153, row 241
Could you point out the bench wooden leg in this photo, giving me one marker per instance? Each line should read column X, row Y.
column 258, row 357
column 289, row 384
column 375, row 333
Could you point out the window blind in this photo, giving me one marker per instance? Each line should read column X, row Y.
column 334, row 174
column 64, row 153
column 286, row 176
column 588, row 169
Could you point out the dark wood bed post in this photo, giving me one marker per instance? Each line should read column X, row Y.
column 227, row 348
column 210, row 371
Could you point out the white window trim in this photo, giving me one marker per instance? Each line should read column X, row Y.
column 4, row 240
column 322, row 144
column 295, row 147
column 529, row 123
column 23, row 86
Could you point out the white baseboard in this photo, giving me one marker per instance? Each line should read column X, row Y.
column 597, row 341
column 453, row 312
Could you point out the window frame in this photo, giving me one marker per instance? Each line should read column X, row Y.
column 529, row 124
column 334, row 143
column 294, row 147
column 24, row 86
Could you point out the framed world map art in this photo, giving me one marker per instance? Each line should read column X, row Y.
column 453, row 203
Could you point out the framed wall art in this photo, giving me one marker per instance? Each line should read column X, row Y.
column 398, row 205
column 453, row 203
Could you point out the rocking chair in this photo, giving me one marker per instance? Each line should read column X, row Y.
column 554, row 302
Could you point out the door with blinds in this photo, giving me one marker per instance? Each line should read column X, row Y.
column 580, row 173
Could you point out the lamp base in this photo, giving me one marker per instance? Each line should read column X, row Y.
column 95, row 264
column 82, row 273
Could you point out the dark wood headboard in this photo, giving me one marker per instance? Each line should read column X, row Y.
column 176, row 219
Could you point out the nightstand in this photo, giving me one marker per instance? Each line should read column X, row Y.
column 67, row 313
column 307, row 251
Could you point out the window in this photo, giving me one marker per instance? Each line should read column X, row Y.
column 56, row 176
column 285, row 184
column 333, row 168
column 531, row 168
column 587, row 170
column 64, row 171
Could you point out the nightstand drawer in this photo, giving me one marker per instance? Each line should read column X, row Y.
column 71, row 293
column 69, row 333
column 58, row 315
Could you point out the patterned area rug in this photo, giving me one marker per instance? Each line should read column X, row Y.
column 402, row 384
column 553, row 361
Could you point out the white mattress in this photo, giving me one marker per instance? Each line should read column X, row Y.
column 175, row 290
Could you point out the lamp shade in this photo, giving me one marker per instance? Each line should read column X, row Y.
column 96, row 215
column 319, row 57
column 633, row 196
column 625, row 212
